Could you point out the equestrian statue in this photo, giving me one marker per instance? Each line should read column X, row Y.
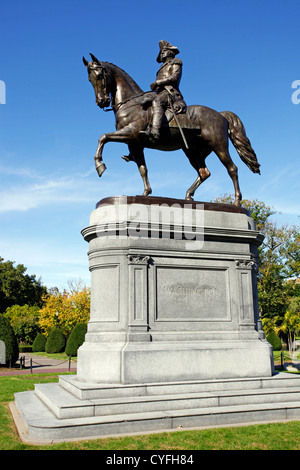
column 160, row 119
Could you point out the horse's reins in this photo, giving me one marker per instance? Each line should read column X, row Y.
column 118, row 106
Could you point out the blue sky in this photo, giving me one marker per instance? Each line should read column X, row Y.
column 241, row 56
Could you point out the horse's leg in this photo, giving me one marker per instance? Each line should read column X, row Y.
column 191, row 191
column 200, row 167
column 137, row 155
column 232, row 170
column 144, row 174
column 122, row 135
column 99, row 164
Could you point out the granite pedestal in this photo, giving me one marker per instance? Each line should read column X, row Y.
column 174, row 293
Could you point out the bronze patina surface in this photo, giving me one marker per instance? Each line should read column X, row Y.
column 208, row 206
column 159, row 119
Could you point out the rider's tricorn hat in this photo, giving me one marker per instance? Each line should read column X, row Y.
column 166, row 45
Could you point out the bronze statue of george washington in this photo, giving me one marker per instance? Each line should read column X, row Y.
column 159, row 119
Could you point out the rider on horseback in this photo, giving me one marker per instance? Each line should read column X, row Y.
column 166, row 86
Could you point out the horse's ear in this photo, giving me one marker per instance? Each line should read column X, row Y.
column 94, row 58
column 85, row 61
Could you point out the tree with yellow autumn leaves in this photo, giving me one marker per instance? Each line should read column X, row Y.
column 65, row 309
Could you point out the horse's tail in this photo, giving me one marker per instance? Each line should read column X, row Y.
column 238, row 137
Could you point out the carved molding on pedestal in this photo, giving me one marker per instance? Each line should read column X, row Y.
column 247, row 264
column 138, row 259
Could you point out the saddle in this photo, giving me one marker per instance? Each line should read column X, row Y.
column 176, row 103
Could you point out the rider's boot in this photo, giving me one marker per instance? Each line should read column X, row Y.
column 153, row 132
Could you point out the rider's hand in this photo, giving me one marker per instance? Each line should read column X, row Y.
column 153, row 86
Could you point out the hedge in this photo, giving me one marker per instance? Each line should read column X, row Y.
column 275, row 341
column 39, row 343
column 56, row 342
column 76, row 339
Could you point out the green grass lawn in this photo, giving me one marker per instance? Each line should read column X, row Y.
column 275, row 436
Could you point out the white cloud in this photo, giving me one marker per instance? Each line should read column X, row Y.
column 20, row 195
column 23, row 197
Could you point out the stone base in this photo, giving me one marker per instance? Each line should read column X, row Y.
column 155, row 362
column 174, row 293
column 73, row 410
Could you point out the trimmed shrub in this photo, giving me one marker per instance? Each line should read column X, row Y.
column 39, row 343
column 56, row 342
column 76, row 339
column 8, row 336
column 275, row 341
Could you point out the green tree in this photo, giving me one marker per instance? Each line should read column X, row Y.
column 279, row 258
column 290, row 326
column 292, row 253
column 17, row 287
column 24, row 321
column 272, row 289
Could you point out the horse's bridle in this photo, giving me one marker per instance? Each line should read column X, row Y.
column 104, row 89
column 103, row 81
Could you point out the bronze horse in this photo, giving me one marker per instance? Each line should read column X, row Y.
column 205, row 130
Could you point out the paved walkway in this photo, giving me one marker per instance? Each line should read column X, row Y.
column 40, row 365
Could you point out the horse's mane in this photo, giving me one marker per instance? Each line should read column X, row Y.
column 130, row 80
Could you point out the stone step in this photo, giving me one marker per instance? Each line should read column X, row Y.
column 87, row 391
column 65, row 405
column 40, row 422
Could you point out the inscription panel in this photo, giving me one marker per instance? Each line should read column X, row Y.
column 192, row 294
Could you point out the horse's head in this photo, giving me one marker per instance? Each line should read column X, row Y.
column 99, row 79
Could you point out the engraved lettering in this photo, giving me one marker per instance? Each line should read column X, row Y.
column 184, row 289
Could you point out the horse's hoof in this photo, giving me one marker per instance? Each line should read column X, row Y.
column 189, row 198
column 127, row 158
column 101, row 168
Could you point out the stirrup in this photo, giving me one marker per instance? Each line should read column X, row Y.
column 147, row 132
column 152, row 136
